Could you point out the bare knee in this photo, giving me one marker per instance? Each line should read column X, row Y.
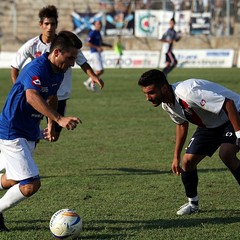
column 98, row 73
column 30, row 188
column 7, row 183
column 190, row 162
column 227, row 154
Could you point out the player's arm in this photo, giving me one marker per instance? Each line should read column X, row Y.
column 107, row 45
column 20, row 58
column 181, row 135
column 230, row 108
column 14, row 74
column 38, row 103
column 99, row 49
column 89, row 71
column 49, row 132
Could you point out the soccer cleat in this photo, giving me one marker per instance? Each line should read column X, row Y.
column 187, row 209
column 3, row 228
column 90, row 86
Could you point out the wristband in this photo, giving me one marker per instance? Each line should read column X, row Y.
column 237, row 133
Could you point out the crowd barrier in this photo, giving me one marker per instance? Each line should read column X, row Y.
column 195, row 58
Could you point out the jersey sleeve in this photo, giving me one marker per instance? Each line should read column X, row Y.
column 80, row 58
column 174, row 117
column 91, row 37
column 32, row 78
column 21, row 56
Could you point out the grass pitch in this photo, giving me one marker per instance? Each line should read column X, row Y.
column 114, row 169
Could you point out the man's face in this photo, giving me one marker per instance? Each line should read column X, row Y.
column 98, row 25
column 153, row 94
column 63, row 61
column 48, row 27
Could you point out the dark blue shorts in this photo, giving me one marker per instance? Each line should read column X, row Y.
column 205, row 141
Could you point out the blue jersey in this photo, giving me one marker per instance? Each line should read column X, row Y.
column 95, row 38
column 18, row 118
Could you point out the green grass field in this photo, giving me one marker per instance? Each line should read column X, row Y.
column 114, row 169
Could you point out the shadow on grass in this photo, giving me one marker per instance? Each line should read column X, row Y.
column 136, row 171
column 129, row 227
column 123, row 228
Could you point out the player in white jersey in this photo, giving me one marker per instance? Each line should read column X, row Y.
column 214, row 109
column 168, row 39
column 38, row 45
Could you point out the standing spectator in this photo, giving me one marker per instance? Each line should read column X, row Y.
column 96, row 44
column 168, row 39
column 33, row 95
column 38, row 45
column 118, row 48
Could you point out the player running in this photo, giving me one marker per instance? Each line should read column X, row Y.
column 95, row 43
column 168, row 39
column 32, row 96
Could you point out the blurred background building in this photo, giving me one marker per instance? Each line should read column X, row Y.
column 202, row 23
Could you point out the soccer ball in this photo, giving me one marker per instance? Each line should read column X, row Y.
column 65, row 223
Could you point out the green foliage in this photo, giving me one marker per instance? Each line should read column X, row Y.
column 114, row 169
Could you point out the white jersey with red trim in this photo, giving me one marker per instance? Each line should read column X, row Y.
column 34, row 48
column 200, row 102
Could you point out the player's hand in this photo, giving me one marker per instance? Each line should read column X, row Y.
column 49, row 134
column 176, row 169
column 98, row 81
column 69, row 122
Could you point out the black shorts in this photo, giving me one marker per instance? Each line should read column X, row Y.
column 61, row 110
column 205, row 141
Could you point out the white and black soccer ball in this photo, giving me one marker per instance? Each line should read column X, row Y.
column 65, row 223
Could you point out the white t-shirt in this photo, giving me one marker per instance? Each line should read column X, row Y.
column 34, row 48
column 202, row 101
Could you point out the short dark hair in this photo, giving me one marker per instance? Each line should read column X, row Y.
column 65, row 40
column 152, row 77
column 49, row 11
column 172, row 19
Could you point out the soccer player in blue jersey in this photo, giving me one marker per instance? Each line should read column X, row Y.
column 32, row 96
column 168, row 39
column 35, row 47
column 95, row 42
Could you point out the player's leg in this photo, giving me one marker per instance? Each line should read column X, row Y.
column 22, row 175
column 167, row 65
column 203, row 143
column 228, row 152
column 189, row 178
column 97, row 65
column 61, row 109
column 171, row 63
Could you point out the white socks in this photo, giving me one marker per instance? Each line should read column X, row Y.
column 88, row 81
column 194, row 199
column 12, row 197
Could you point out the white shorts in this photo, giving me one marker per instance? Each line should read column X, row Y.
column 96, row 61
column 17, row 157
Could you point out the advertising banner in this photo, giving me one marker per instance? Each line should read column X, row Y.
column 154, row 23
column 200, row 23
column 119, row 24
column 130, row 59
column 146, row 23
column 204, row 58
